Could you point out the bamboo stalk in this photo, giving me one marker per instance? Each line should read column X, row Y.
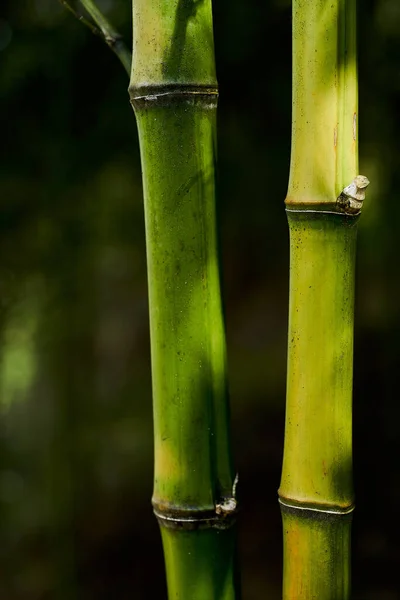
column 173, row 91
column 323, row 205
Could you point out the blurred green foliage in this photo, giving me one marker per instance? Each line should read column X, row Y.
column 75, row 387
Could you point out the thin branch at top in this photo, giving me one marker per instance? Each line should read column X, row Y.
column 103, row 28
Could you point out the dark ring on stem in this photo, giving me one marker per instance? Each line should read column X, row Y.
column 319, row 513
column 193, row 519
column 320, row 209
column 161, row 95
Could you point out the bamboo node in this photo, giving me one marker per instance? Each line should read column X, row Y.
column 165, row 94
column 351, row 199
column 290, row 505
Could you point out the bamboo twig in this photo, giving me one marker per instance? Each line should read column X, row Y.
column 104, row 29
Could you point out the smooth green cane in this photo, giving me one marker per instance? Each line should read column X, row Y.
column 173, row 91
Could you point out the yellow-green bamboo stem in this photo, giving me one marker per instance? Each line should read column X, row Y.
column 324, row 200
column 324, row 156
column 173, row 91
column 316, row 490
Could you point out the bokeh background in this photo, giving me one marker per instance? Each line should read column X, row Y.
column 76, row 444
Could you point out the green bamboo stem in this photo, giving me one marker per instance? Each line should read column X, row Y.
column 173, row 91
column 323, row 205
column 316, row 490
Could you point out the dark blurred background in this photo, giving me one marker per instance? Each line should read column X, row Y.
column 76, row 444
